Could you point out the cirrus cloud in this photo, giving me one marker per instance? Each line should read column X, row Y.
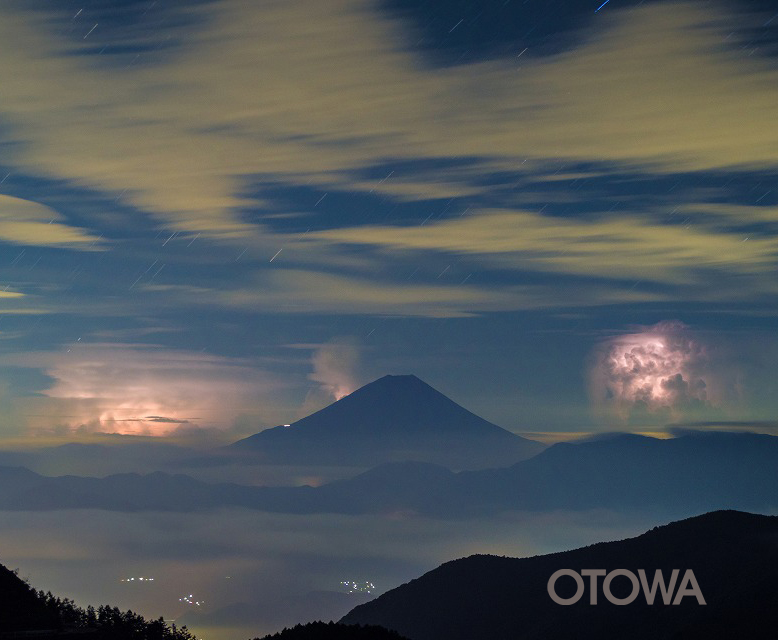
column 26, row 222
column 615, row 245
column 306, row 90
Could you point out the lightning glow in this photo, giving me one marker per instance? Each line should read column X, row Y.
column 661, row 368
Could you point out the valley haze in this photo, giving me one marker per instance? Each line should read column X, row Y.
column 252, row 558
column 305, row 304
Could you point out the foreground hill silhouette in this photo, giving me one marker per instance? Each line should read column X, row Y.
column 20, row 606
column 333, row 631
column 394, row 418
column 734, row 557
column 27, row 613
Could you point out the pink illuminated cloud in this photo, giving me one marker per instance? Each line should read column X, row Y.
column 662, row 369
column 145, row 390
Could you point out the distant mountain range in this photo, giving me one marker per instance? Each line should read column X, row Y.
column 394, row 418
column 695, row 472
column 733, row 557
column 118, row 454
column 689, row 474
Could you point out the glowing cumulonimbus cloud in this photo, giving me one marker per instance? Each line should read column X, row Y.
column 145, row 390
column 660, row 369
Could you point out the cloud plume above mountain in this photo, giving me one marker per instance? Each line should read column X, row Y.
column 334, row 367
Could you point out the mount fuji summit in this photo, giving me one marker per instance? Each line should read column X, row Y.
column 395, row 418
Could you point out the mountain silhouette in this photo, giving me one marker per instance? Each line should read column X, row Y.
column 692, row 473
column 695, row 472
column 394, row 418
column 733, row 557
column 670, row 478
column 333, row 631
column 27, row 613
column 276, row 612
column 21, row 609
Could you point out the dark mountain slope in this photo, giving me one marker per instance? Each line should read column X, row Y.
column 734, row 557
column 333, row 631
column 396, row 486
column 695, row 472
column 394, row 418
column 20, row 607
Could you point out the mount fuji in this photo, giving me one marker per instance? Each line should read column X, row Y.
column 394, row 418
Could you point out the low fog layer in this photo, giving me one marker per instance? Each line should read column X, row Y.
column 263, row 571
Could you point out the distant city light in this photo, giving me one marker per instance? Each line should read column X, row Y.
column 141, row 579
column 190, row 600
column 358, row 587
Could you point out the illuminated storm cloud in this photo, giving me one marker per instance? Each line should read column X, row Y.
column 660, row 369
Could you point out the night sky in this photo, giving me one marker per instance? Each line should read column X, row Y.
column 219, row 216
